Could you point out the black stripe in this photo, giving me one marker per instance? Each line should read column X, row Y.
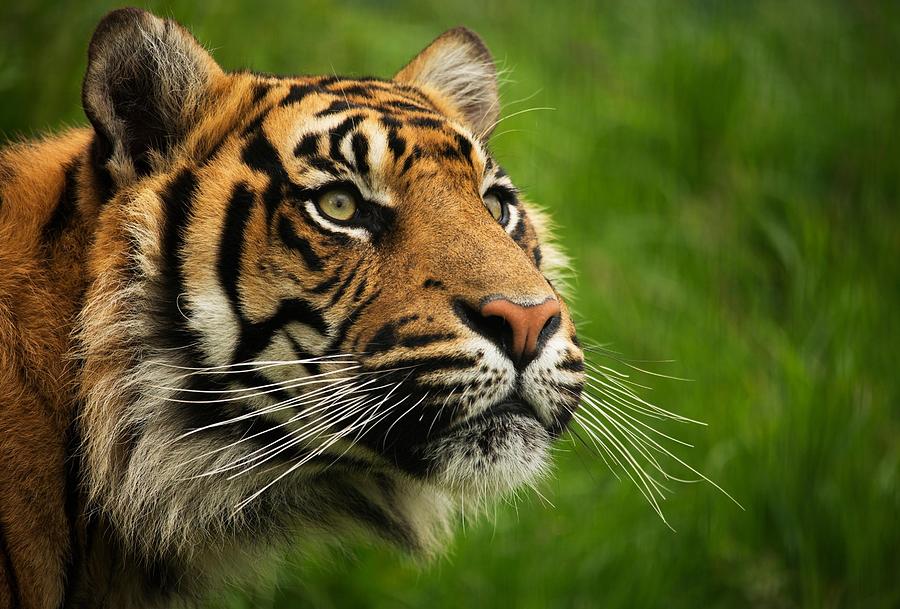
column 297, row 243
column 396, row 144
column 423, row 340
column 360, row 152
column 342, row 288
column 356, row 90
column 386, row 335
column 338, row 106
column 421, row 365
column 254, row 378
column 384, row 339
column 260, row 89
column 426, row 122
column 10, row 568
column 357, row 505
column 254, row 125
column 66, row 206
column 73, row 503
column 308, row 145
column 337, row 135
column 390, row 122
column 411, row 158
column 302, row 353
column 414, row 92
column 519, row 231
column 298, row 93
column 261, row 155
column 100, row 152
column 322, row 164
column 360, row 288
column 465, row 147
column 404, row 105
column 327, row 81
column 572, row 364
column 231, row 244
column 178, row 202
column 327, row 284
column 351, row 319
column 449, row 151
column 256, row 336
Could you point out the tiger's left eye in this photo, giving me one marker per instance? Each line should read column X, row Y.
column 496, row 207
column 338, row 204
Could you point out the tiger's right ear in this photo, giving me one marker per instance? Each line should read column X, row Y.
column 458, row 66
column 147, row 80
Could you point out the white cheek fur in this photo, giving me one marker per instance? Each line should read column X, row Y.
column 215, row 322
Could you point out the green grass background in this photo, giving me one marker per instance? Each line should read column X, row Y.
column 726, row 176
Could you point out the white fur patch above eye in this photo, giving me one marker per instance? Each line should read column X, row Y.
column 493, row 179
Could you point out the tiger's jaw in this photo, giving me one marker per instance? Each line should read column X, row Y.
column 491, row 454
column 501, row 429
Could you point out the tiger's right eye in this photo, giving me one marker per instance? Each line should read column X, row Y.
column 338, row 204
column 496, row 207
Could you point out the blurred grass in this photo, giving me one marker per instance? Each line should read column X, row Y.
column 727, row 177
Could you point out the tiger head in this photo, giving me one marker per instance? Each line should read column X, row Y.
column 314, row 299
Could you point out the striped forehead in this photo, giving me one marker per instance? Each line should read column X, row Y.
column 370, row 132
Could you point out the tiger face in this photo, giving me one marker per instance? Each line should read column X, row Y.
column 328, row 291
column 365, row 225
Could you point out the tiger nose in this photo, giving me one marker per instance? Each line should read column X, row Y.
column 524, row 329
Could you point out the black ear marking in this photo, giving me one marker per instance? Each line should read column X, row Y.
column 146, row 81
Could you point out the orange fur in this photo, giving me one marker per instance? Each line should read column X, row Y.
column 98, row 502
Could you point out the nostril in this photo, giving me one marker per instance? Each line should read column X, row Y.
column 549, row 329
column 494, row 328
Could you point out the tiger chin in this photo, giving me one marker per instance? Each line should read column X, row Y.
column 241, row 312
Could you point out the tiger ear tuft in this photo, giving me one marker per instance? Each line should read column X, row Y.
column 459, row 67
column 147, row 80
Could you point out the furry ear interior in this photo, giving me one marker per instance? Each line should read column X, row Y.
column 147, row 79
column 459, row 67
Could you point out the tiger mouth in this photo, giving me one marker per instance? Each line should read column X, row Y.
column 508, row 408
column 487, row 454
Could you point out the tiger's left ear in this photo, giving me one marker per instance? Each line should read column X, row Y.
column 459, row 68
column 147, row 82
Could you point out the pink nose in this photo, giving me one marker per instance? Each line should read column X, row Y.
column 525, row 325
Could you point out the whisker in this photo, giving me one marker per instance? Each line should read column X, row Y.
column 642, row 486
column 599, row 404
column 267, row 363
column 318, row 404
column 281, row 384
column 508, row 116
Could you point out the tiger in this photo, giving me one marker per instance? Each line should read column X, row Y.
column 241, row 312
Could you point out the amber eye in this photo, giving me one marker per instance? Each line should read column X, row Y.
column 338, row 204
column 496, row 207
